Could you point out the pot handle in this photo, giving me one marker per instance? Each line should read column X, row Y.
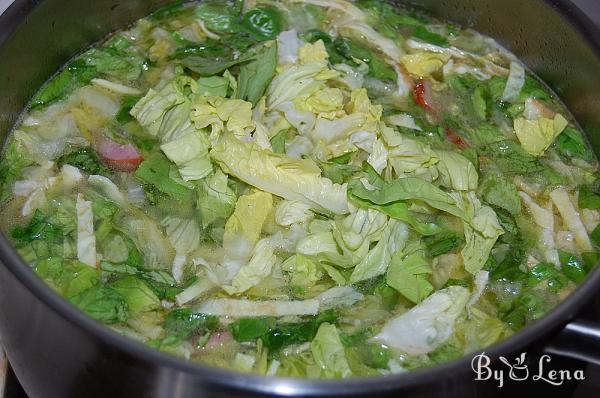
column 580, row 339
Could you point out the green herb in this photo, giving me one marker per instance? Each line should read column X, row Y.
column 570, row 143
column 102, row 303
column 276, row 335
column 442, row 243
column 263, row 23
column 184, row 323
column 511, row 158
column 127, row 102
column 37, row 229
column 86, row 159
column 572, row 267
column 588, row 199
column 155, row 171
column 500, row 192
column 554, row 278
column 422, row 33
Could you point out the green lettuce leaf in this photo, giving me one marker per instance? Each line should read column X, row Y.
column 427, row 325
column 571, row 143
column 102, row 303
column 289, row 178
column 404, row 189
column 258, row 268
column 481, row 233
column 303, row 272
column 214, row 85
column 137, row 294
column 329, row 354
column 190, row 153
column 216, row 200
column 155, row 170
column 409, row 274
column 165, row 114
column 537, row 135
column 13, row 160
column 86, row 159
column 255, row 76
column 456, row 171
column 501, row 192
column 511, row 158
column 376, row 262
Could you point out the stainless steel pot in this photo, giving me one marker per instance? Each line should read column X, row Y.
column 56, row 351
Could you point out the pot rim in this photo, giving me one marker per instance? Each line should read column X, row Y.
column 10, row 259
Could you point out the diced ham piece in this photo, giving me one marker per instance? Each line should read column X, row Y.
column 119, row 157
column 218, row 339
column 456, row 139
column 422, row 95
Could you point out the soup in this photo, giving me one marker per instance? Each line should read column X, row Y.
column 318, row 189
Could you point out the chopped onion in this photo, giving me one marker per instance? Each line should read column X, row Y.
column 116, row 87
column 515, row 82
column 86, row 240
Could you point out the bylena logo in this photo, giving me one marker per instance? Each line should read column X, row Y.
column 519, row 370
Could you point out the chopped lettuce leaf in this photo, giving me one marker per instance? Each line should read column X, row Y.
column 329, row 354
column 408, row 274
column 296, row 81
column 214, row 85
column 304, row 273
column 536, row 136
column 427, row 325
column 164, row 110
column 378, row 259
column 220, row 113
column 515, row 83
column 456, row 171
column 424, row 64
column 356, row 233
column 137, row 294
column 258, row 268
column 157, row 250
column 313, row 52
column 481, row 233
column 571, row 218
column 290, row 212
column 248, row 218
column 216, row 200
column 155, row 170
column 283, row 176
column 184, row 234
column 255, row 76
column 102, row 303
column 501, row 192
column 190, row 153
column 409, row 188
